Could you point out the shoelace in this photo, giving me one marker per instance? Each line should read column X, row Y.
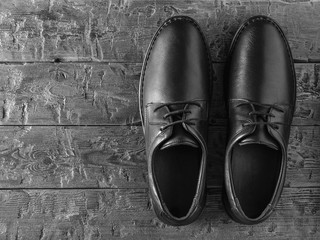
column 261, row 114
column 178, row 113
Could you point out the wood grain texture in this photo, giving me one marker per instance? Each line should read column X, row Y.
column 72, row 158
column 107, row 93
column 71, row 94
column 95, row 30
column 127, row 214
column 114, row 157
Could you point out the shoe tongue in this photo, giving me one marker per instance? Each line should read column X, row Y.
column 260, row 136
column 180, row 137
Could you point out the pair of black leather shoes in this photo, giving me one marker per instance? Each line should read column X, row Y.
column 175, row 89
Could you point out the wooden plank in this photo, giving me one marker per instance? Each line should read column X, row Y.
column 127, row 214
column 114, row 157
column 107, row 93
column 46, row 30
column 71, row 94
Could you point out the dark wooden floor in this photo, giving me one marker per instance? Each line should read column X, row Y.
column 72, row 160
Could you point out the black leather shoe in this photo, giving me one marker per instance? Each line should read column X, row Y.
column 261, row 93
column 174, row 96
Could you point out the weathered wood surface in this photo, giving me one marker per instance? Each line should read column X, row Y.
column 71, row 94
column 73, row 166
column 127, row 214
column 107, row 93
column 114, row 157
column 45, row 30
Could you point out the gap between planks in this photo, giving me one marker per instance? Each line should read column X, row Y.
column 295, row 61
column 135, row 124
column 122, row 188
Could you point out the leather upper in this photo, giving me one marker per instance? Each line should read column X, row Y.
column 175, row 81
column 261, row 98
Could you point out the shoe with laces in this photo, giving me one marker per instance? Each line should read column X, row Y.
column 173, row 100
column 261, row 93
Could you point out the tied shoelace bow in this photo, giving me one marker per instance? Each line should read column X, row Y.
column 262, row 115
column 178, row 113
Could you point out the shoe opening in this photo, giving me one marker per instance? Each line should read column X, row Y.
column 176, row 171
column 255, row 171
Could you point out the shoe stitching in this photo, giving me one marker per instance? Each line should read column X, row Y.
column 262, row 18
column 243, row 99
column 289, row 106
column 165, row 24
